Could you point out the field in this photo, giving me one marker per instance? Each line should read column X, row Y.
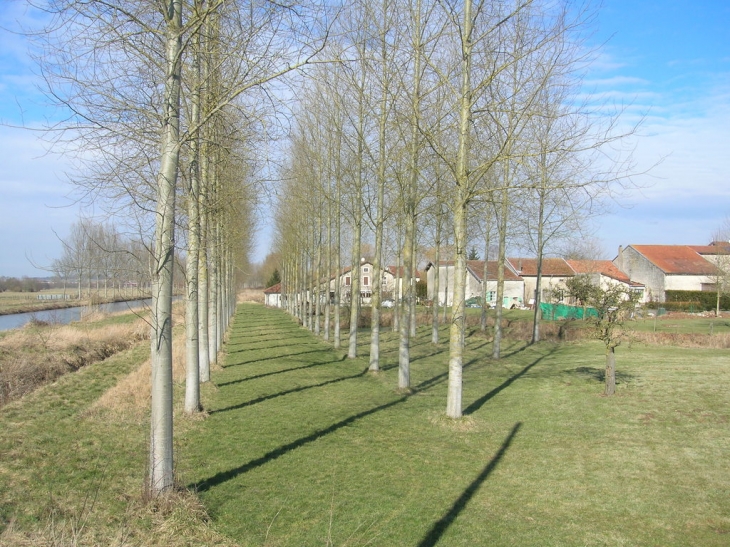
column 300, row 446
column 22, row 302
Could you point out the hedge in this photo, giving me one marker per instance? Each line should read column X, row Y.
column 694, row 301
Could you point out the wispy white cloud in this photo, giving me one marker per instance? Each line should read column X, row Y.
column 615, row 81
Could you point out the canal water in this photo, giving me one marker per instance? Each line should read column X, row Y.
column 67, row 315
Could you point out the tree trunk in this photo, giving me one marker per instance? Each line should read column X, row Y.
column 610, row 371
column 463, row 191
column 338, row 264
column 435, row 293
column 161, row 449
column 404, row 358
column 328, row 269
column 213, row 302
column 456, row 338
column 192, row 358
column 203, row 272
column 382, row 163
column 497, row 343
column 485, row 282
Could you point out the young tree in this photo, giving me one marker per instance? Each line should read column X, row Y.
column 615, row 304
column 721, row 259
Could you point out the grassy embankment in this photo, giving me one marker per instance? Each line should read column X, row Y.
column 303, row 447
column 73, row 456
column 23, row 302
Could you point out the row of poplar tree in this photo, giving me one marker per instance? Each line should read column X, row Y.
column 399, row 113
column 443, row 123
column 170, row 106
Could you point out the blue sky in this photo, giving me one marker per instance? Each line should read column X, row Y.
column 668, row 60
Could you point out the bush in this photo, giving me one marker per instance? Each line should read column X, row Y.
column 694, row 301
column 689, row 306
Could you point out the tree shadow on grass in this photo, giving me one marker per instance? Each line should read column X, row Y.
column 438, row 529
column 265, row 374
column 288, row 392
column 290, row 343
column 438, row 351
column 599, row 374
column 256, row 329
column 265, row 337
column 272, row 358
column 476, row 405
column 224, row 476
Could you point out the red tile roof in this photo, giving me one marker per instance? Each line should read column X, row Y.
column 604, row 267
column 477, row 269
column 550, row 267
column 274, row 289
column 715, row 248
column 676, row 259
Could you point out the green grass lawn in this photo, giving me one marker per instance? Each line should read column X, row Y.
column 303, row 447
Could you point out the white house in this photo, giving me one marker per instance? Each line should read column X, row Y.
column 393, row 278
column 444, row 293
column 272, row 296
column 605, row 274
column 554, row 273
column 717, row 252
column 391, row 282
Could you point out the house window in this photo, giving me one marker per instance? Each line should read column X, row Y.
column 366, row 269
column 347, row 281
column 366, row 281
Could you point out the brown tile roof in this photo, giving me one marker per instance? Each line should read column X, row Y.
column 714, row 248
column 550, row 267
column 477, row 269
column 604, row 267
column 676, row 259
column 274, row 289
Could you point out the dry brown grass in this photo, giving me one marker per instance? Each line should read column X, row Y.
column 684, row 340
column 130, row 398
column 255, row 296
column 570, row 331
column 177, row 519
column 39, row 353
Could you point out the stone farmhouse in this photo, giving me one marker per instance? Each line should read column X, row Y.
column 668, row 267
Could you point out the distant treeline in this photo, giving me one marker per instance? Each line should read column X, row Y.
column 24, row 284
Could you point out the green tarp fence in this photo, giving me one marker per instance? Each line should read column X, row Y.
column 557, row 312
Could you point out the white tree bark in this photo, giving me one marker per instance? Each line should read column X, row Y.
column 161, row 449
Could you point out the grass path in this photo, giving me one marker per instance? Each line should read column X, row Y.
column 303, row 447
